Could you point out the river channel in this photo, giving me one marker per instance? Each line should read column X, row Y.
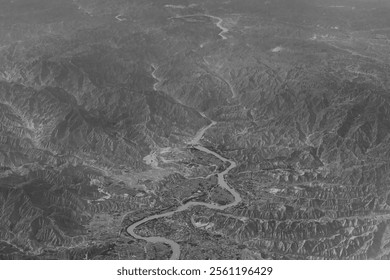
column 195, row 143
column 219, row 23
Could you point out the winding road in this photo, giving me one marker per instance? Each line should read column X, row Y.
column 222, row 183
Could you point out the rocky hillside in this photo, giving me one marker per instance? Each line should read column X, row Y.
column 98, row 100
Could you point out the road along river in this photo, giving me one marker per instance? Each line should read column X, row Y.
column 222, row 183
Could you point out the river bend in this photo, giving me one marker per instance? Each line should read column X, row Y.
column 222, row 183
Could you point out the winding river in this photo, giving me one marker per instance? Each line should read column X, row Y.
column 222, row 183
column 219, row 23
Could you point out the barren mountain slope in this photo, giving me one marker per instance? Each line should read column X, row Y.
column 99, row 102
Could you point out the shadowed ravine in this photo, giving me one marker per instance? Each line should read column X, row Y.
column 222, row 183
